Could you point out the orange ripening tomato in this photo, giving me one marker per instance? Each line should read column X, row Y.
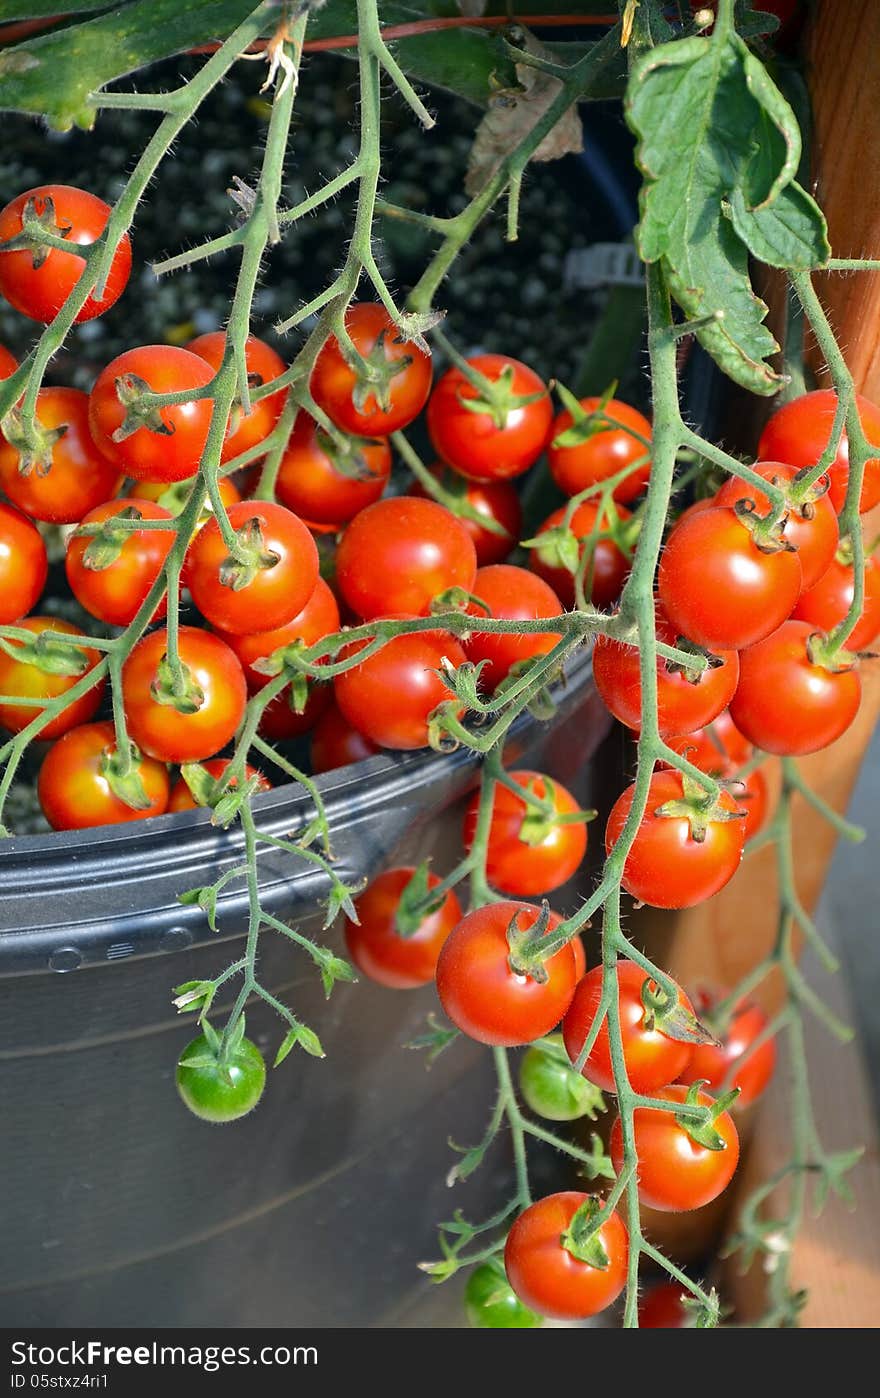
column 19, row 679
column 75, row 787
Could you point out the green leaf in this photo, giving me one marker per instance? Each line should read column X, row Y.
column 300, row 1035
column 715, row 132
column 791, row 233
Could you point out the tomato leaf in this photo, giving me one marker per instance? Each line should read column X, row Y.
column 715, row 134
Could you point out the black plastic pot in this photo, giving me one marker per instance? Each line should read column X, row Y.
column 120, row 1208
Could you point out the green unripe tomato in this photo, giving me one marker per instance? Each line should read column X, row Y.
column 217, row 1094
column 492, row 1304
column 552, row 1088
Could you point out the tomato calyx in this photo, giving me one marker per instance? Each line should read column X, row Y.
column 180, row 691
column 37, row 219
column 584, row 424
column 667, row 1015
column 457, row 599
column 216, row 1054
column 495, row 398
column 688, row 647
column 417, row 902
column 251, row 557
column 767, row 531
column 835, row 659
column 348, row 458
column 703, row 1132
column 801, row 496
column 224, row 795
column 121, row 771
column 33, row 442
column 582, row 1236
column 542, row 817
column 374, row 372
column 49, row 652
column 107, row 543
column 698, row 807
column 527, row 955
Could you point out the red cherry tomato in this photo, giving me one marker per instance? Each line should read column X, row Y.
column 812, row 528
column 318, row 618
column 549, row 1278
column 380, row 951
column 492, row 500
column 667, row 866
column 171, row 448
column 717, row 1066
column 78, row 476
column 246, row 430
column 74, row 789
column 262, row 598
column 398, row 555
column 653, row 1058
column 174, row 496
column 21, row 680
column 683, row 703
column 605, row 452
column 24, row 565
column 607, row 569
column 828, row 601
column 182, row 799
column 114, row 593
column 676, row 1172
column 349, row 401
column 161, row 730
column 38, row 285
column 662, row 1308
column 390, row 696
column 510, row 594
column 527, row 853
column 787, row 704
column 336, row 743
column 719, row 588
column 280, row 721
column 311, row 483
column 485, row 446
column 719, row 748
column 800, row 430
column 481, row 993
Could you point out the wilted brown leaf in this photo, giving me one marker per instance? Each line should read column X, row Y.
column 512, row 116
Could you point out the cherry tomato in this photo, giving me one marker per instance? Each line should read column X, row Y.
column 812, row 528
column 676, row 1172
column 281, row 722
column 490, row 446
column 74, row 788
column 550, row 1086
column 390, row 696
column 354, row 404
column 246, row 430
column 712, row 1065
column 20, row 679
column 493, row 501
column 336, row 743
column 607, row 570
column 482, row 994
column 667, row 865
column 719, row 588
column 173, row 497
column 312, row 482
column 169, row 445
column 160, row 729
column 719, row 748
column 828, row 601
column 662, row 1308
column 800, row 430
column 491, row 1303
column 38, row 281
column 528, row 853
column 24, row 565
column 788, row 704
column 318, row 618
column 182, row 799
column 114, row 593
column 511, row 594
column 683, row 702
column 550, row 1279
column 653, row 1058
column 78, row 476
column 603, row 453
column 216, row 1092
column 383, row 953
column 241, row 597
column 398, row 555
